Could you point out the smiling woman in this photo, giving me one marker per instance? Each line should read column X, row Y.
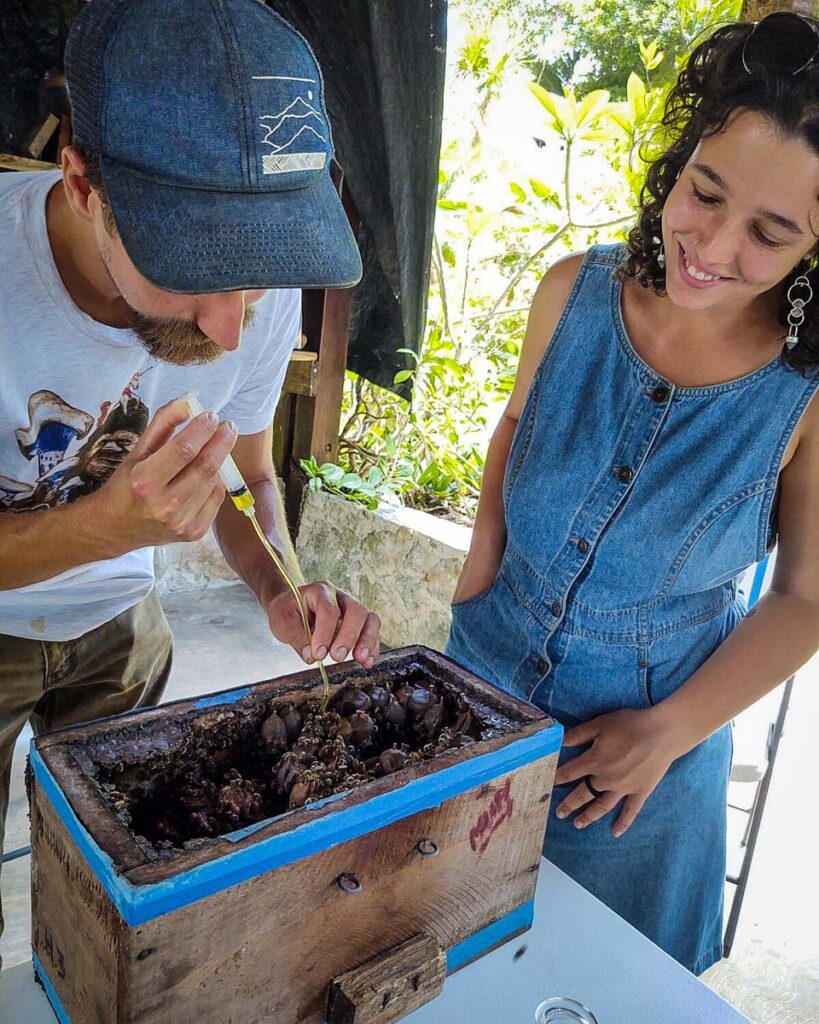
column 734, row 199
column 661, row 436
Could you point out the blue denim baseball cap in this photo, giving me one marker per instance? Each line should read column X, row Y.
column 209, row 121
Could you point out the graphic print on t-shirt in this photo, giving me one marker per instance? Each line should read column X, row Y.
column 72, row 453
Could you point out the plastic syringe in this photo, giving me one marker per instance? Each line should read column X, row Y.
column 231, row 477
column 242, row 498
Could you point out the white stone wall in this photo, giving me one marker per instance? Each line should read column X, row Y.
column 192, row 566
column 402, row 563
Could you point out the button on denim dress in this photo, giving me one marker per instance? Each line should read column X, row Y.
column 632, row 507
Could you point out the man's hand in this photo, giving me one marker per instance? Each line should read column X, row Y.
column 630, row 753
column 339, row 623
column 167, row 488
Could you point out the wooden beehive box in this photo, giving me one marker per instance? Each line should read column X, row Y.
column 409, row 875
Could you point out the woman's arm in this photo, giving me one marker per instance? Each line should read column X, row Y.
column 489, row 531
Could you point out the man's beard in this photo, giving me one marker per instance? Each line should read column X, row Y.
column 173, row 341
column 179, row 341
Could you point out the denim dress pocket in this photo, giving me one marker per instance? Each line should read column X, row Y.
column 492, row 612
column 466, row 602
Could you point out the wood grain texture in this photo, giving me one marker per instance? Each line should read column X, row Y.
column 264, row 951
column 302, row 374
column 76, row 931
column 389, row 986
column 93, row 812
column 40, row 136
column 11, row 162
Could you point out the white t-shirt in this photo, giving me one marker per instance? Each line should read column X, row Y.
column 74, row 397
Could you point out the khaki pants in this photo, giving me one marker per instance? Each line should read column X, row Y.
column 121, row 665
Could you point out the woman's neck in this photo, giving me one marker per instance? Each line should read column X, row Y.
column 698, row 348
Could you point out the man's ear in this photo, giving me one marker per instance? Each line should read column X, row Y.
column 77, row 190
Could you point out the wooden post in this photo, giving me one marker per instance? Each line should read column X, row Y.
column 307, row 425
column 40, row 136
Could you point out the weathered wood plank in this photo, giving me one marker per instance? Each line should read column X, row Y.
column 76, row 931
column 272, row 944
column 40, row 136
column 302, row 374
column 266, row 948
column 389, row 986
column 10, row 162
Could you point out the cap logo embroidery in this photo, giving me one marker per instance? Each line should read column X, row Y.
column 281, row 131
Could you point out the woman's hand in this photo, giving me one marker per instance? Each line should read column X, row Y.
column 478, row 574
column 630, row 753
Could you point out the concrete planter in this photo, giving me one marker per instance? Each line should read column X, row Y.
column 193, row 566
column 402, row 563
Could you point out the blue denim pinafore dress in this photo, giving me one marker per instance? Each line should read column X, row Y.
column 632, row 506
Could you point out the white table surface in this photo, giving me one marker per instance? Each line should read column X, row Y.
column 577, row 948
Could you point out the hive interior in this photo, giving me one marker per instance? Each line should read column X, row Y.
column 186, row 781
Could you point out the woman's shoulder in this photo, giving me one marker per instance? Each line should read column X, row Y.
column 549, row 301
column 552, row 293
column 556, row 285
column 559, row 279
column 548, row 305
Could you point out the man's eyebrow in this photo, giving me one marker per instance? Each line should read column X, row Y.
column 777, row 218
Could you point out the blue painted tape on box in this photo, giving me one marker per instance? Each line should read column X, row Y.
column 139, row 904
column 222, row 698
column 521, row 917
column 51, row 995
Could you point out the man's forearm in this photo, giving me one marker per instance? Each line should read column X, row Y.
column 241, row 547
column 777, row 637
column 35, row 546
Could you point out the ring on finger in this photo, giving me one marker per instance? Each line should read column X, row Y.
column 596, row 793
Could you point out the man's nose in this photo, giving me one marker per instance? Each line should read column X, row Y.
column 221, row 317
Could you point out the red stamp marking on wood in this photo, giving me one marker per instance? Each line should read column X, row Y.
column 489, row 821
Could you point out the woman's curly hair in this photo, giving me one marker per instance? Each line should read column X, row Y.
column 712, row 86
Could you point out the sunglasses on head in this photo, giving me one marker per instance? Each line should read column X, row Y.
column 784, row 41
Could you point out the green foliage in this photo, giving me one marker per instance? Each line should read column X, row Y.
column 603, row 41
column 369, row 491
column 427, row 453
column 502, row 220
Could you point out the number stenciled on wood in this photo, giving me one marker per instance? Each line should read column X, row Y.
column 52, row 952
column 501, row 808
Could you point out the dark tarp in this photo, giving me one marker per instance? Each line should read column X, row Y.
column 383, row 64
column 32, row 40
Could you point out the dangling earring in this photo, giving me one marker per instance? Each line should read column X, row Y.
column 796, row 314
column 660, row 254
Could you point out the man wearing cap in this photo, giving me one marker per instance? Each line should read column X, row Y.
column 165, row 256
